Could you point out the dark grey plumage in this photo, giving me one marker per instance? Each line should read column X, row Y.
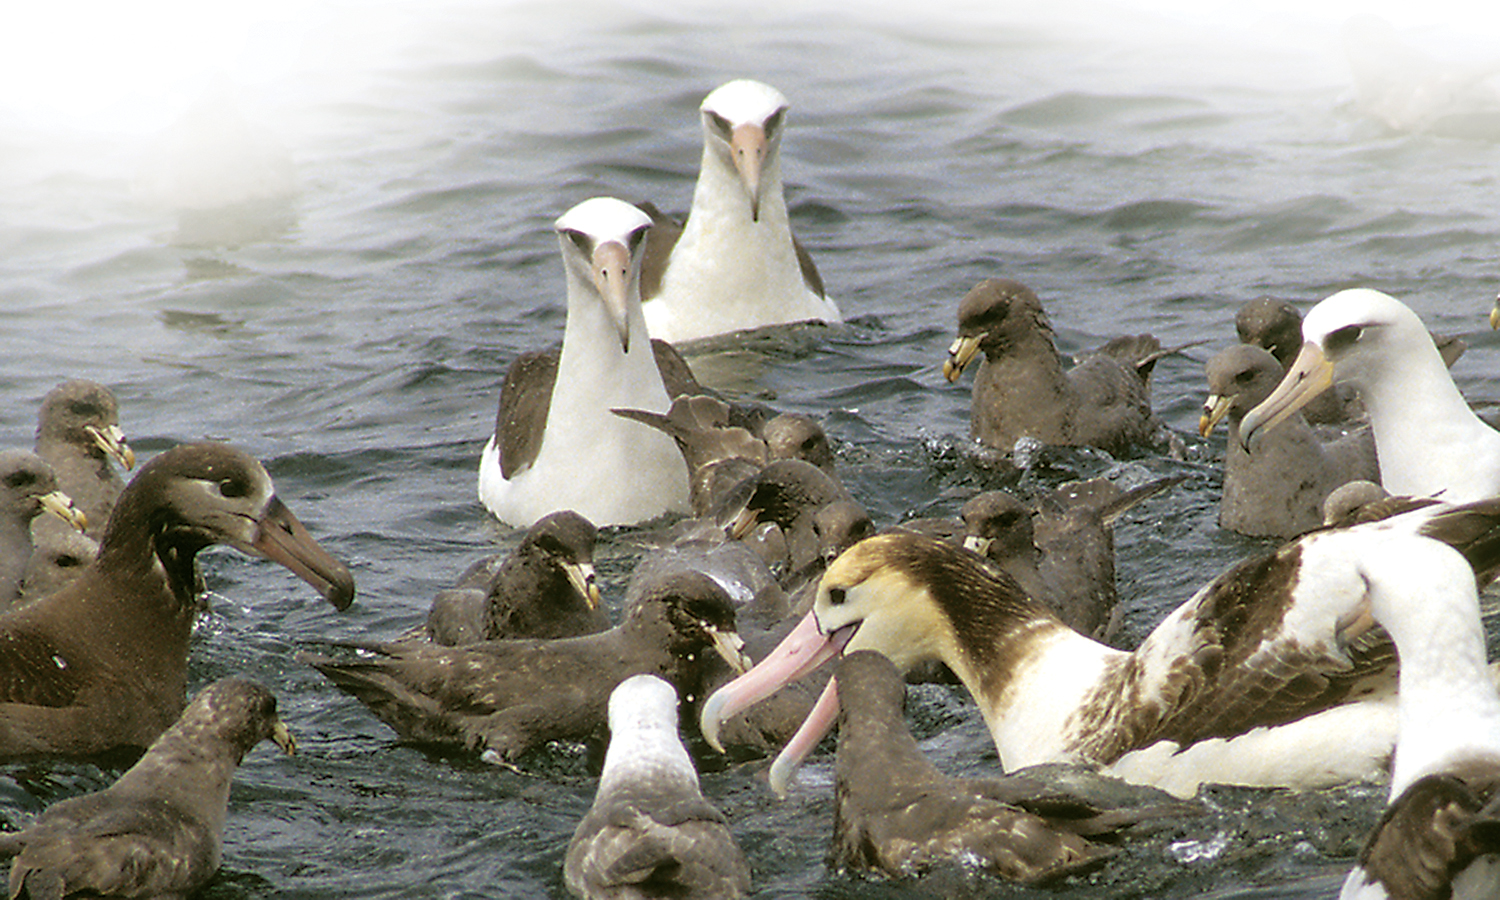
column 544, row 589
column 792, row 493
column 511, row 696
column 57, row 558
column 896, row 813
column 1023, row 390
column 78, row 433
column 28, row 487
column 102, row 663
column 650, row 833
column 1278, row 490
column 158, row 830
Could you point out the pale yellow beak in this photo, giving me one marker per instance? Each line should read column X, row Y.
column 111, row 440
column 582, row 577
column 1310, row 375
column 62, row 506
column 960, row 353
column 1215, row 408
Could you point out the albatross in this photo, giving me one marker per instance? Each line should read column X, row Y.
column 735, row 265
column 1263, row 678
column 556, row 445
column 1427, row 439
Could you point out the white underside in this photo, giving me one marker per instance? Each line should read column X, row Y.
column 1480, row 881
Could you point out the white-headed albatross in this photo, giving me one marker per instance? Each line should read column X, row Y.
column 1440, row 836
column 556, row 444
column 736, row 264
column 1265, row 677
column 1427, row 439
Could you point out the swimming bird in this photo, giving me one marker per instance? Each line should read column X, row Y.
column 512, row 696
column 102, row 663
column 545, row 588
column 894, row 811
column 1276, row 327
column 1022, row 389
column 57, row 559
column 1428, row 441
column 1440, row 835
column 158, row 831
column 815, row 513
column 28, row 488
column 1277, row 491
column 1258, row 679
column 650, row 832
column 734, row 264
column 556, row 445
column 78, row 433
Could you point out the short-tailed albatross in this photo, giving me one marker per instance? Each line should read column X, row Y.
column 735, row 265
column 556, row 444
column 1427, row 439
column 1264, row 677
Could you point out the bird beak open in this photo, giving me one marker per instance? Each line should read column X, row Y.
column 747, row 144
column 111, row 440
column 1310, row 375
column 611, row 267
column 281, row 538
column 283, row 738
column 960, row 354
column 1216, row 407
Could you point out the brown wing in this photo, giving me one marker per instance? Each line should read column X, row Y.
column 525, row 398
column 659, row 243
column 676, row 375
column 1434, row 830
column 33, row 671
column 810, row 274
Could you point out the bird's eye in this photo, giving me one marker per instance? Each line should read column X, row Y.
column 720, row 124
column 773, row 123
column 579, row 239
column 233, row 487
column 836, row 596
column 1244, row 377
column 20, row 480
column 634, row 240
column 1343, row 338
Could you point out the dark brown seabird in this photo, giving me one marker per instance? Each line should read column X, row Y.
column 28, row 488
column 1264, row 677
column 650, row 832
column 896, row 813
column 102, row 663
column 545, row 588
column 1277, row 491
column 511, row 696
column 78, row 434
column 1022, row 389
column 158, row 830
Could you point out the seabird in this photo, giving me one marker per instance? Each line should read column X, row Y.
column 102, row 663
column 1427, row 439
column 1022, row 389
column 1258, row 679
column 157, row 831
column 511, row 696
column 58, row 558
column 815, row 513
column 650, row 832
column 545, row 588
column 734, row 265
column 1440, row 835
column 894, row 812
column 556, row 444
column 1277, row 491
column 28, row 488
column 78, row 433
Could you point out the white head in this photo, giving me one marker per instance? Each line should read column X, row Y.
column 602, row 240
column 742, row 124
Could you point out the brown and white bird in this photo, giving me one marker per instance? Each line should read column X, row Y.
column 1264, row 677
column 556, row 445
column 102, row 663
column 157, row 831
column 734, row 264
column 650, row 832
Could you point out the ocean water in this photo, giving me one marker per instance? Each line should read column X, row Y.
column 322, row 231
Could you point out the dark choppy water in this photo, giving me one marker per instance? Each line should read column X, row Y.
column 396, row 170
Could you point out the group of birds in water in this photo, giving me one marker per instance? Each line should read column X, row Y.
column 1281, row 671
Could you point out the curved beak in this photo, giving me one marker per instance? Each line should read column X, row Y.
column 62, row 506
column 281, row 538
column 747, row 145
column 1215, row 408
column 800, row 652
column 1310, row 375
column 980, row 545
column 581, row 576
column 283, row 738
column 1495, row 314
column 731, row 647
column 960, row 353
column 611, row 269
column 111, row 440
column 819, row 722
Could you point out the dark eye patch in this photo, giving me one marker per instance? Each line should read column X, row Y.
column 233, row 486
column 773, row 122
column 20, row 480
column 1343, row 338
column 580, row 240
column 719, row 123
column 836, row 596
